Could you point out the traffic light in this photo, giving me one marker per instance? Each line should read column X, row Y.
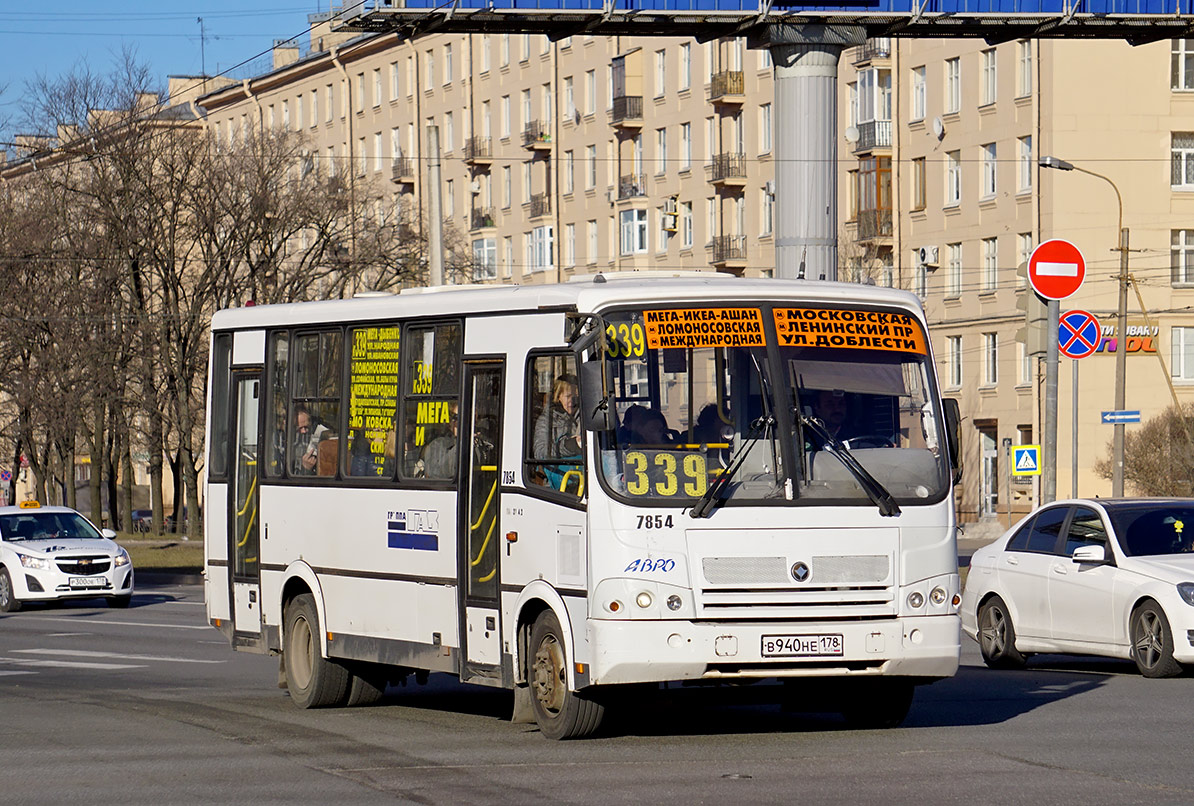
column 1036, row 319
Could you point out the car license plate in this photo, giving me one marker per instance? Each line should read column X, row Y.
column 803, row 646
column 88, row 582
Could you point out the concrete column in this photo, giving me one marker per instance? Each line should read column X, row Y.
column 806, row 175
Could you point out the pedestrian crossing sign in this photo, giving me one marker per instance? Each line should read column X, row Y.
column 1026, row 460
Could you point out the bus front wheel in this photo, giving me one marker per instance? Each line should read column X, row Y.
column 560, row 713
column 313, row 680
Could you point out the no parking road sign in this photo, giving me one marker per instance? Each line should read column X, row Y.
column 1056, row 269
column 1077, row 334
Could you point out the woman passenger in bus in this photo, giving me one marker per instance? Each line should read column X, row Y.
column 557, row 430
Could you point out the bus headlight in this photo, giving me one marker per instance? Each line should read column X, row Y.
column 643, row 600
column 938, row 596
column 674, row 602
column 916, row 600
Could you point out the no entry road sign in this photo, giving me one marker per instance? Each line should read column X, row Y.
column 1077, row 334
column 1056, row 269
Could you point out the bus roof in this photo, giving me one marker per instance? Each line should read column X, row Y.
column 586, row 294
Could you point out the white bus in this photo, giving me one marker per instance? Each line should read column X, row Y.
column 660, row 477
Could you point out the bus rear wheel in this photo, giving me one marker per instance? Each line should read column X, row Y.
column 313, row 680
column 560, row 713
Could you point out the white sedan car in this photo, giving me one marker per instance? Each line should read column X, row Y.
column 1111, row 577
column 50, row 553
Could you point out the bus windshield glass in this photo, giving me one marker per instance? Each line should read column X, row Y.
column 800, row 405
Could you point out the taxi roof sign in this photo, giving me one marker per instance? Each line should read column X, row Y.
column 29, row 505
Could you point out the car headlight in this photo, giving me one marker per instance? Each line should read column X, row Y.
column 35, row 562
column 1186, row 591
column 121, row 559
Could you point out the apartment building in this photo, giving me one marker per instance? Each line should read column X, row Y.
column 585, row 154
column 943, row 194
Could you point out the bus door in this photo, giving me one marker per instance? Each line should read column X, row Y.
column 242, row 510
column 479, row 520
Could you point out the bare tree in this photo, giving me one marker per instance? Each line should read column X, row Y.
column 1158, row 460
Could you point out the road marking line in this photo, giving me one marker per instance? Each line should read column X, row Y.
column 84, row 653
column 5, row 673
column 61, row 664
column 65, row 634
column 77, row 621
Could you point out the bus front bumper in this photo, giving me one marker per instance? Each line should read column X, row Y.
column 660, row 651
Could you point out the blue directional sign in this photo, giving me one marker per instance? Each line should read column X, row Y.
column 1077, row 334
column 1121, row 417
column 1026, row 460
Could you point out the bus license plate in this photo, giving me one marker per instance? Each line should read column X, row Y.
column 802, row 646
column 88, row 582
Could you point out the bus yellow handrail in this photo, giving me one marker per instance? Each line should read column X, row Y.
column 484, row 545
column 484, row 509
column 248, row 528
column 580, row 490
column 488, row 576
column 248, row 498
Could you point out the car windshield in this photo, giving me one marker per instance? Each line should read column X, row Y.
column 702, row 393
column 1151, row 530
column 46, row 525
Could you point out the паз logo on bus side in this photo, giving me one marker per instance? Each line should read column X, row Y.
column 801, row 572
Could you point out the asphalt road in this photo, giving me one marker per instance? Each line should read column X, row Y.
column 149, row 705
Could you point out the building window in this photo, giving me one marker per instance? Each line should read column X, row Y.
column 285, row 114
column 1025, row 164
column 447, row 64
column 593, row 243
column 541, row 249
column 569, row 100
column 990, row 263
column 569, row 245
column 918, row 93
column 686, row 65
column 686, row 225
column 507, row 191
column 685, row 146
column 505, row 115
column 920, row 280
column 660, row 73
column 508, row 256
column 953, row 178
column 1025, row 252
column 955, row 361
column 989, row 163
column 990, row 359
column 767, row 212
column 1182, row 155
column 1181, row 252
column 989, row 82
column 765, row 129
column 314, row 108
column 661, row 151
column 569, row 173
column 590, row 92
column 590, row 167
column 852, row 104
column 1024, row 85
column 953, row 271
column 874, row 95
column 485, row 259
column 634, row 232
column 1181, row 358
column 710, row 220
column 504, row 50
column 1024, row 361
column 379, row 156
column 449, row 132
column 918, row 183
column 527, row 169
column 1182, row 64
column 953, row 85
column 485, row 53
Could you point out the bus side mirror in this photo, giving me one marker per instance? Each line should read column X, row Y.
column 953, row 434
column 596, row 413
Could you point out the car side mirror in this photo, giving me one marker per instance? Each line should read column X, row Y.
column 1090, row 554
column 108, row 533
column 953, row 434
column 596, row 413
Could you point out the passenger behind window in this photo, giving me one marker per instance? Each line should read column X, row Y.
column 308, row 433
column 439, row 457
column 646, row 427
column 557, row 430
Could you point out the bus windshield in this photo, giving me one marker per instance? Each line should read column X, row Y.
column 792, row 414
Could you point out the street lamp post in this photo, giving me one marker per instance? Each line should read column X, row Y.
column 1121, row 329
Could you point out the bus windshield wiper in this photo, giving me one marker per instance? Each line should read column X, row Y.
column 704, row 505
column 878, row 494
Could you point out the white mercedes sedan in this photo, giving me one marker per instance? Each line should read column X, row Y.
column 1111, row 577
column 51, row 553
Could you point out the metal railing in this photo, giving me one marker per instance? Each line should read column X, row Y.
column 729, row 247
column 877, row 48
column 536, row 132
column 632, row 186
column 873, row 134
column 401, row 168
column 628, row 107
column 540, row 205
column 874, row 224
column 478, row 148
column 729, row 166
column 481, row 217
column 727, row 82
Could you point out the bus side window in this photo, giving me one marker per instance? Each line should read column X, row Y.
column 553, row 445
column 314, row 445
column 431, row 401
column 278, row 404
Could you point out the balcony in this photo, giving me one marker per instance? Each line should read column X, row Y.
column 877, row 48
column 729, row 251
column 536, row 136
column 540, row 205
column 729, row 87
column 478, row 151
column 402, row 171
column 729, row 170
column 481, row 218
column 632, row 186
column 874, row 224
column 873, row 134
column 628, row 112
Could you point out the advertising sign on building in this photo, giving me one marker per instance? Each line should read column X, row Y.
column 1141, row 339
